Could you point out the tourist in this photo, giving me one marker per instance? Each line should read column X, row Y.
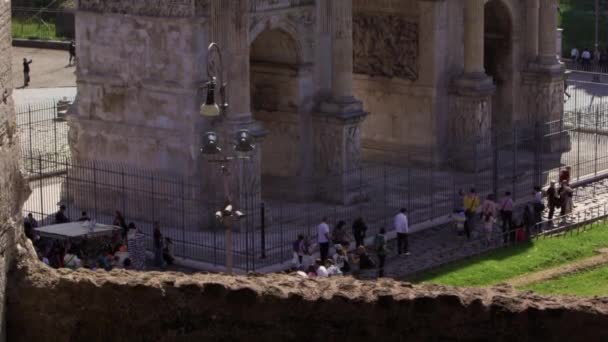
column 553, row 201
column 72, row 52
column 459, row 222
column 489, row 206
column 471, row 204
column 29, row 231
column 332, row 269
column 459, row 201
column 136, row 247
column 158, row 246
column 341, row 260
column 339, row 235
column 359, row 230
column 168, row 251
column 323, row 239
column 60, row 216
column 574, row 54
column 321, row 270
column 538, row 205
column 586, row 59
column 381, row 250
column 488, row 224
column 364, row 260
column 26, row 72
column 402, row 228
column 298, row 251
column 528, row 220
column 565, row 194
column 309, row 247
column 84, row 217
column 71, row 260
column 119, row 221
column 506, row 215
column 564, row 175
column 31, row 220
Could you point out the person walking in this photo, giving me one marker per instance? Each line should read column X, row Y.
column 158, row 246
column 574, row 54
column 72, row 51
column 471, row 204
column 402, row 229
column 586, row 59
column 506, row 215
column 26, row 72
column 539, row 206
column 323, row 239
column 553, row 201
column 359, row 230
column 380, row 246
column 298, row 252
column 565, row 194
column 136, row 243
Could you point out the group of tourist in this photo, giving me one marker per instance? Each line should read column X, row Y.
column 124, row 249
column 344, row 259
column 469, row 206
column 586, row 57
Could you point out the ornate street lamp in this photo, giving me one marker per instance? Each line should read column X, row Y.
column 243, row 145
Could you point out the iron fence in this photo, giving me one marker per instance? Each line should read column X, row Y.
column 513, row 160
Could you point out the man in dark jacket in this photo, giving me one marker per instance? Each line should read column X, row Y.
column 359, row 229
column 553, row 200
column 60, row 216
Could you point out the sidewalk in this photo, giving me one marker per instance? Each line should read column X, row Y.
column 432, row 247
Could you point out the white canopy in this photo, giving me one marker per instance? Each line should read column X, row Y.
column 76, row 230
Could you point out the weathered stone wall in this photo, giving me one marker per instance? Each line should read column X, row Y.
column 12, row 188
column 50, row 305
column 138, row 100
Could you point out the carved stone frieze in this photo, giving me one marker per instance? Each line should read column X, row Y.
column 385, row 45
column 153, row 8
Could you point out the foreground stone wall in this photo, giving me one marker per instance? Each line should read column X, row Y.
column 11, row 185
column 51, row 305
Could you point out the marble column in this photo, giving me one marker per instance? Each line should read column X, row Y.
column 341, row 15
column 547, row 32
column 474, row 37
column 532, row 16
column 337, row 127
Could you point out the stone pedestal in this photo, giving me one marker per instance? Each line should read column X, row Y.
column 337, row 150
column 543, row 90
column 470, row 123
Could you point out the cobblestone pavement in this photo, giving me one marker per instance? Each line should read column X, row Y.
column 436, row 246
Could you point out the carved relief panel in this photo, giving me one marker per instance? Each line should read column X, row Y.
column 385, row 45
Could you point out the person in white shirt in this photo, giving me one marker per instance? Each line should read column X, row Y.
column 323, row 239
column 402, row 229
column 574, row 54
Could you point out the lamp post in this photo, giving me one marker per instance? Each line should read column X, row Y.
column 243, row 145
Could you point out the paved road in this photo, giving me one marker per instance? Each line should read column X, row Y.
column 49, row 68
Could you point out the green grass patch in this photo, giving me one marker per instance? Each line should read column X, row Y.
column 502, row 264
column 34, row 29
column 585, row 284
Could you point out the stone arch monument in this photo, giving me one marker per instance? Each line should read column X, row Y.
column 303, row 76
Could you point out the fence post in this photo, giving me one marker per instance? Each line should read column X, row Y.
column 55, row 132
column 41, row 187
column 263, row 229
column 95, row 187
column 183, row 218
column 578, row 147
column 514, row 164
column 495, row 165
column 597, row 123
column 29, row 112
